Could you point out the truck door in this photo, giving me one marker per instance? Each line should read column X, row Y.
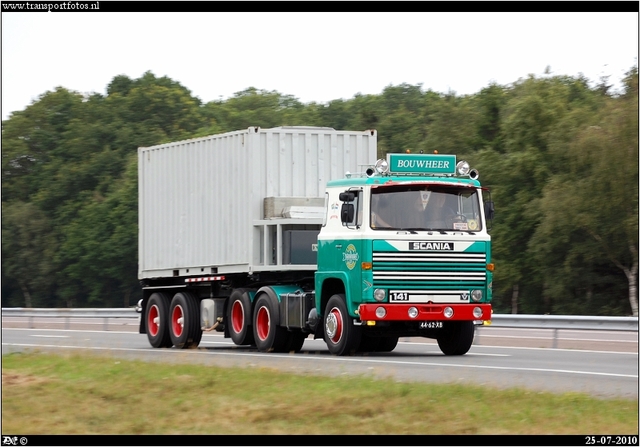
column 340, row 246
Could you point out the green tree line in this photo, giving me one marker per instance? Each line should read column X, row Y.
column 559, row 154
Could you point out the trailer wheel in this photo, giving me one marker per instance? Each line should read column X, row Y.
column 387, row 344
column 456, row 337
column 267, row 334
column 295, row 341
column 157, row 318
column 239, row 317
column 340, row 334
column 185, row 327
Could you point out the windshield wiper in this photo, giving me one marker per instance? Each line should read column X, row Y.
column 441, row 231
column 409, row 230
column 414, row 230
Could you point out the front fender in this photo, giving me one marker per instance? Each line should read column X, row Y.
column 331, row 283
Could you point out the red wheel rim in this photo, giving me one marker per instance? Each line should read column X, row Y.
column 177, row 320
column 263, row 323
column 237, row 317
column 153, row 321
column 334, row 325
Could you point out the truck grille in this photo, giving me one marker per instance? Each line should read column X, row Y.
column 433, row 270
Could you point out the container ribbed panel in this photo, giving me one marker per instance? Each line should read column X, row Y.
column 199, row 198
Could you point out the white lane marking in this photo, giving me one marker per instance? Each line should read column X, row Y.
column 49, row 336
column 426, row 343
column 334, row 359
column 469, row 354
column 527, row 348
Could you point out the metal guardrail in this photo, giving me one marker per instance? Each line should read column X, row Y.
column 563, row 322
column 554, row 322
column 68, row 313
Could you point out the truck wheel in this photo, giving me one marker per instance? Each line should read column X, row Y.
column 157, row 318
column 387, row 344
column 368, row 343
column 185, row 327
column 456, row 337
column 239, row 317
column 266, row 332
column 340, row 334
column 296, row 341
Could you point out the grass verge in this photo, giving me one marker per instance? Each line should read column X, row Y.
column 83, row 394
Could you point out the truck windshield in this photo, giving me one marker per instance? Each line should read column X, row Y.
column 425, row 207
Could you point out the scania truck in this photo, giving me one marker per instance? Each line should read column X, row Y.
column 271, row 236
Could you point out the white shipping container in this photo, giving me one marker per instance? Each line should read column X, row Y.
column 202, row 201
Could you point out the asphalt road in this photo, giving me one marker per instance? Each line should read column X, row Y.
column 602, row 364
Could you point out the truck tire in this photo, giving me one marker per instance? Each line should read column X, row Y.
column 239, row 317
column 267, row 334
column 184, row 326
column 456, row 337
column 157, row 319
column 296, row 341
column 368, row 343
column 340, row 334
column 387, row 344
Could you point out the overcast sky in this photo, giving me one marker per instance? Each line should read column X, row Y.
column 311, row 56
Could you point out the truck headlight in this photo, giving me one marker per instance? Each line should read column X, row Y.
column 476, row 295
column 462, row 167
column 382, row 166
column 379, row 294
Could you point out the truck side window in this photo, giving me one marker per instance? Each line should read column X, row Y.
column 358, row 204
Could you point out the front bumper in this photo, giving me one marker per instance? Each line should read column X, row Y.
column 426, row 312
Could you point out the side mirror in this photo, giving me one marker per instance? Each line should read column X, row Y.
column 489, row 210
column 347, row 212
column 347, row 196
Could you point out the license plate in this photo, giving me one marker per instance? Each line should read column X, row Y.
column 431, row 325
